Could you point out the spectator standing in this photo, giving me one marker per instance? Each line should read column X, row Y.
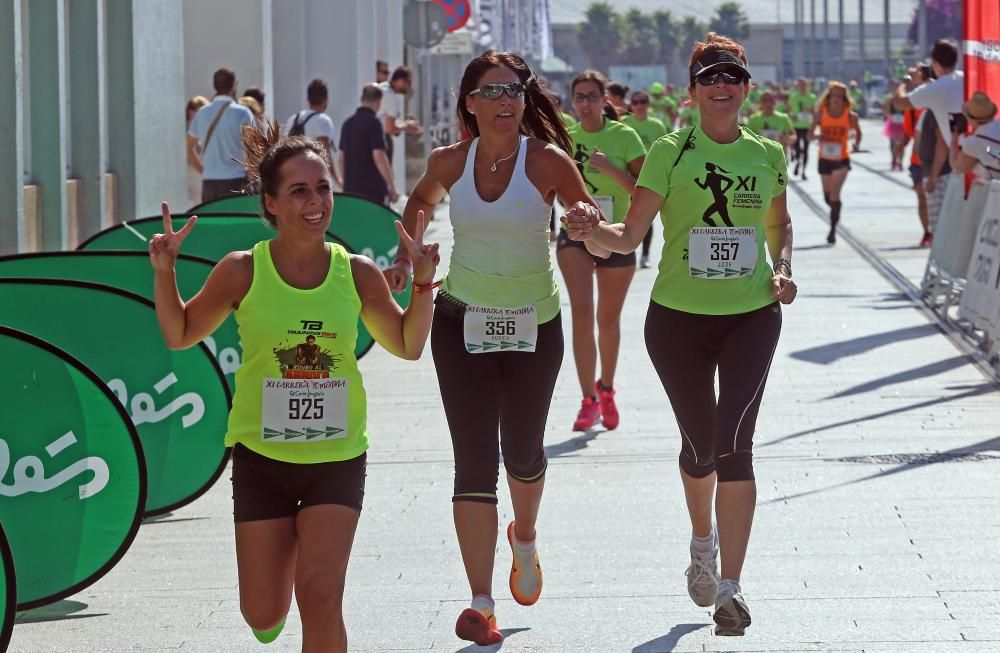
column 381, row 71
column 367, row 171
column 944, row 97
column 969, row 152
column 194, row 167
column 215, row 135
column 257, row 94
column 314, row 123
column 393, row 104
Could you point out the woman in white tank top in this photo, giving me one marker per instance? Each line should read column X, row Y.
column 497, row 332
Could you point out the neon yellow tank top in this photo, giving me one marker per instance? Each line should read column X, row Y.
column 299, row 394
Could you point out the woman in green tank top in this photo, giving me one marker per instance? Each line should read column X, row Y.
column 298, row 417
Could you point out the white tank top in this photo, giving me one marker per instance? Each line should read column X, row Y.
column 501, row 255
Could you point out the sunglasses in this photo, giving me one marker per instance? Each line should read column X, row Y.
column 494, row 91
column 586, row 97
column 710, row 79
column 640, row 101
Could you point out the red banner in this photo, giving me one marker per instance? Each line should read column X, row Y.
column 982, row 48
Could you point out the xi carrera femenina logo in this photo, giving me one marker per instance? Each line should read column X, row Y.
column 719, row 182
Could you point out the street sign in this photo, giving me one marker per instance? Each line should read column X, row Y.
column 457, row 12
column 424, row 23
column 456, row 43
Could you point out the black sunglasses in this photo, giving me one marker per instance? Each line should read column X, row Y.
column 709, row 79
column 640, row 101
column 494, row 91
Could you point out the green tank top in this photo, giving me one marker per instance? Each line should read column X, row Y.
column 299, row 394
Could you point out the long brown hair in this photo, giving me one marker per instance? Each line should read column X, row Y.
column 610, row 112
column 541, row 116
column 267, row 150
column 824, row 99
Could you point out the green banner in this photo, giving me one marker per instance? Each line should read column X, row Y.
column 8, row 591
column 131, row 271
column 178, row 400
column 72, row 474
column 214, row 237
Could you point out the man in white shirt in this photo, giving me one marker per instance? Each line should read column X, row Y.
column 314, row 123
column 215, row 137
column 943, row 97
column 393, row 106
column 980, row 150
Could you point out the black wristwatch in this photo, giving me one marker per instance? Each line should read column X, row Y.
column 783, row 263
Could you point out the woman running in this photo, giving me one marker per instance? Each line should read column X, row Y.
column 801, row 106
column 895, row 132
column 714, row 308
column 298, row 422
column 497, row 333
column 610, row 156
column 649, row 129
column 835, row 121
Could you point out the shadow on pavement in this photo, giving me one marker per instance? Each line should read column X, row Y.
column 958, row 454
column 931, row 369
column 572, row 445
column 826, row 354
column 667, row 643
column 57, row 611
column 975, row 391
column 507, row 632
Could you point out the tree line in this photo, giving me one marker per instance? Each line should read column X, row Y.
column 639, row 38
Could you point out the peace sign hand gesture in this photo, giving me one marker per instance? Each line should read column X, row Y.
column 163, row 248
column 424, row 257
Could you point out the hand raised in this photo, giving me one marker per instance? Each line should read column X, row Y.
column 163, row 248
column 424, row 257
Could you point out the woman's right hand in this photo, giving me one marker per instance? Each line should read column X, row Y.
column 397, row 275
column 163, row 248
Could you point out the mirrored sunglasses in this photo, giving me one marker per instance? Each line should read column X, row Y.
column 709, row 79
column 494, row 91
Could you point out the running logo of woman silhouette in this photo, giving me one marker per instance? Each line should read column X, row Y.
column 714, row 182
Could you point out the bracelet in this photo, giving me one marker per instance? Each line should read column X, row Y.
column 785, row 263
column 404, row 259
column 426, row 287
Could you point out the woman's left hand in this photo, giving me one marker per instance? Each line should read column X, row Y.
column 424, row 257
column 581, row 220
column 783, row 288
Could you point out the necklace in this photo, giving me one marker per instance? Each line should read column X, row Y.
column 493, row 167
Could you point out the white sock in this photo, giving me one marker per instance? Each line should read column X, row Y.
column 705, row 545
column 524, row 550
column 728, row 587
column 483, row 601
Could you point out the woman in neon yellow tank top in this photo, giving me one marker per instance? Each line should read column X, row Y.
column 720, row 191
column 497, row 332
column 297, row 425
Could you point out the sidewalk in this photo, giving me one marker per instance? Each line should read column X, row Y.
column 877, row 460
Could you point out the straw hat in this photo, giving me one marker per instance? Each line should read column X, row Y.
column 979, row 107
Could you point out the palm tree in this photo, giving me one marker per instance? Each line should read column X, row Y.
column 667, row 34
column 601, row 35
column 731, row 21
column 641, row 43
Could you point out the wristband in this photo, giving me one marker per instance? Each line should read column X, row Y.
column 404, row 259
column 785, row 263
column 426, row 287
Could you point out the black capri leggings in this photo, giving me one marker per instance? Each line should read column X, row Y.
column 508, row 391
column 686, row 349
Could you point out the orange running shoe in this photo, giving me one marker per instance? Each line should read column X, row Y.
column 590, row 412
column 609, row 410
column 525, row 573
column 478, row 627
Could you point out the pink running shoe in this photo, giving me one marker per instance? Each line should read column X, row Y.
column 609, row 410
column 590, row 412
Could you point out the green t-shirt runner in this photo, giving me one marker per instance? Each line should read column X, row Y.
column 772, row 126
column 649, row 129
column 801, row 108
column 621, row 144
column 690, row 116
column 716, row 199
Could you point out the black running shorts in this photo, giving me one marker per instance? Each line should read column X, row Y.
column 614, row 261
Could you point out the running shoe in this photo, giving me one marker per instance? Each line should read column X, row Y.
column 703, row 577
column 831, row 238
column 804, row 176
column 525, row 573
column 796, row 173
column 590, row 412
column 731, row 614
column 644, row 262
column 478, row 627
column 609, row 410
column 268, row 636
column 927, row 240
